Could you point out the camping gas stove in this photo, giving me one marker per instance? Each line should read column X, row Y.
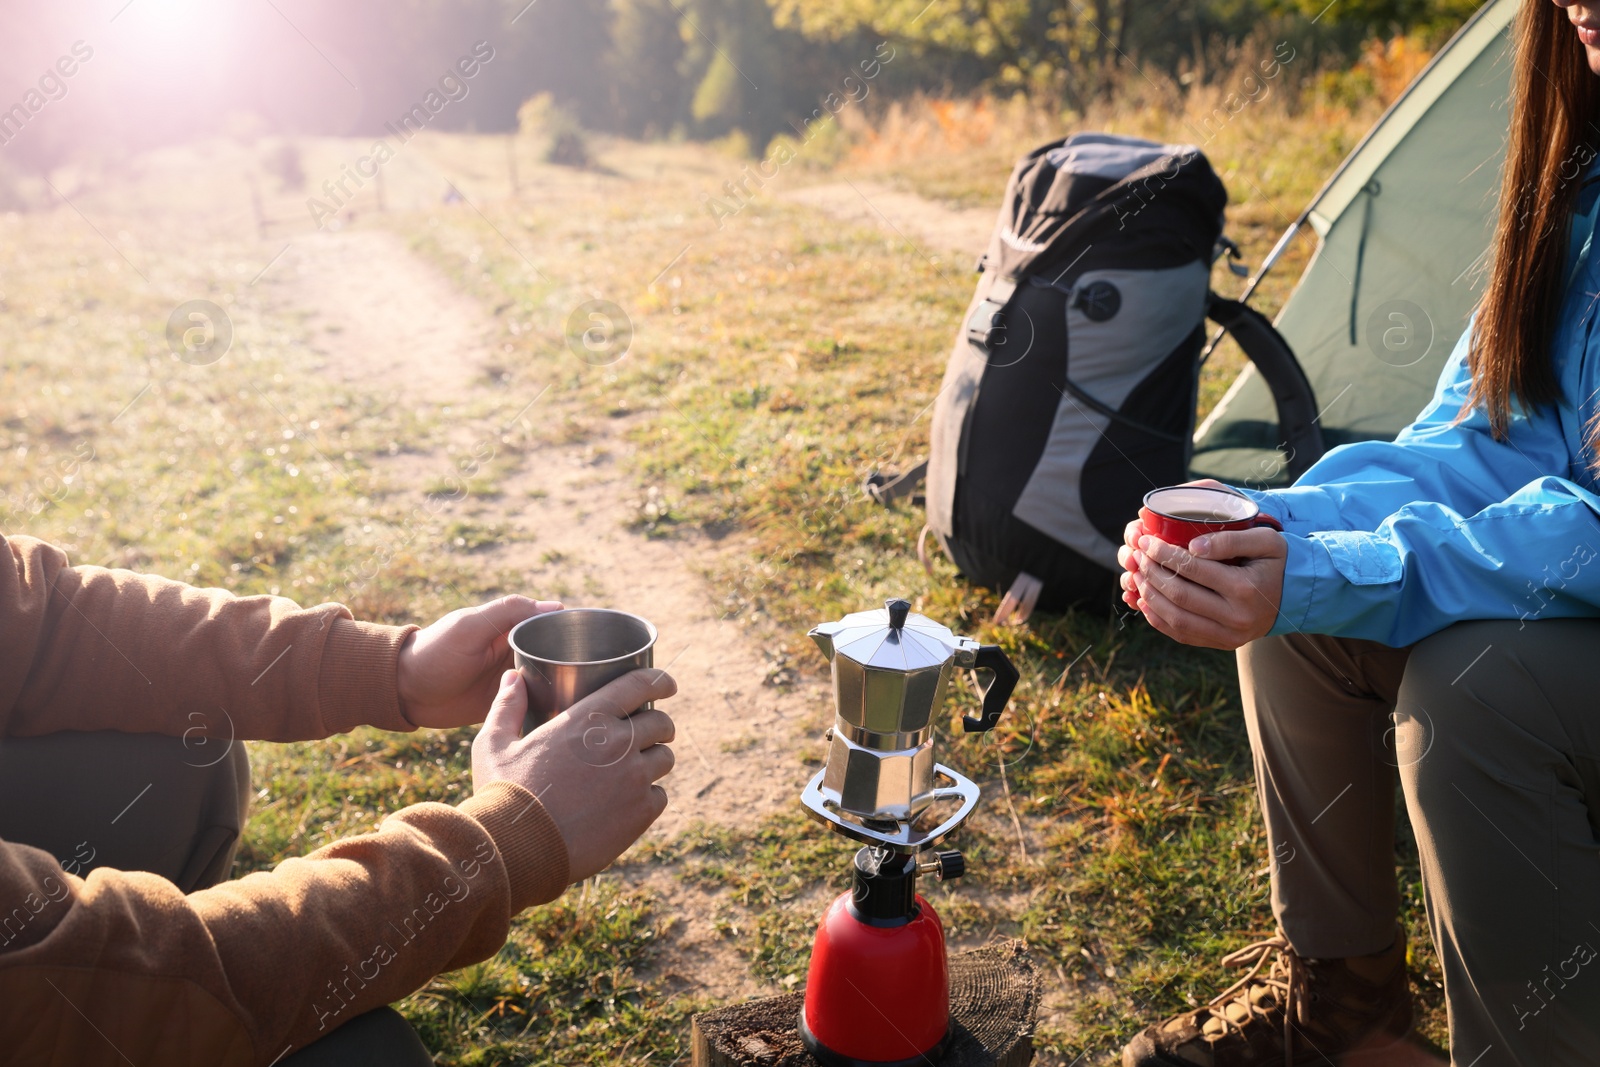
column 877, row 989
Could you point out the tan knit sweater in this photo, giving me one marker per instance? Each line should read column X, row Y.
column 120, row 966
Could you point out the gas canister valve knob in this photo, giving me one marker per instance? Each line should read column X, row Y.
column 944, row 865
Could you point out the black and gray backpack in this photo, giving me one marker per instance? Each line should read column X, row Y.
column 1072, row 386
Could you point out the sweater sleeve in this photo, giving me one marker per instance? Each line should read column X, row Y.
column 87, row 648
column 244, row 972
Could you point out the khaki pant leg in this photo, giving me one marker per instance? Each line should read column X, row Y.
column 1503, row 800
column 142, row 802
column 1318, row 712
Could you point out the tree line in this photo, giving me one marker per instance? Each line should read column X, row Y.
column 644, row 68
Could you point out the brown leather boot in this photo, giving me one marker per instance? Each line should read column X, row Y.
column 1295, row 1011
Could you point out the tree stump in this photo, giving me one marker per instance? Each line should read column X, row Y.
column 994, row 999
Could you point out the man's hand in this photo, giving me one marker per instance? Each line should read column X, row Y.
column 593, row 767
column 450, row 671
column 1223, row 591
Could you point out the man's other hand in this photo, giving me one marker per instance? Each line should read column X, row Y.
column 593, row 767
column 450, row 671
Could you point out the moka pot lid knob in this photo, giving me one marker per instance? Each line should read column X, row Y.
column 892, row 639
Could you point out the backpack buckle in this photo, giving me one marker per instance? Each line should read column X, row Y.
column 986, row 326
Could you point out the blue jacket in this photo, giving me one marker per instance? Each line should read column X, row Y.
column 1393, row 541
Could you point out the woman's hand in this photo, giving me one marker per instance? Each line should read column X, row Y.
column 1223, row 591
column 448, row 673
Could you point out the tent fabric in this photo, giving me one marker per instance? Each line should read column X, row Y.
column 1403, row 226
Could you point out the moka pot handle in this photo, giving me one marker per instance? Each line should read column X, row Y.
column 1003, row 679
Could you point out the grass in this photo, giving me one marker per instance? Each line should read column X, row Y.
column 784, row 363
column 774, row 363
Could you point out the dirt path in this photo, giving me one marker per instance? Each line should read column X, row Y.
column 385, row 319
column 933, row 227
column 380, row 315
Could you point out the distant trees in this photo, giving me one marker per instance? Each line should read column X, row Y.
column 704, row 67
column 1432, row 14
column 1072, row 47
column 651, row 68
column 646, row 87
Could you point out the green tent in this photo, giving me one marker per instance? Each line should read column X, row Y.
column 1402, row 229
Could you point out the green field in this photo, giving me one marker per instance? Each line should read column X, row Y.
column 776, row 358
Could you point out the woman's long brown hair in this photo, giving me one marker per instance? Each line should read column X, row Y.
column 1555, row 104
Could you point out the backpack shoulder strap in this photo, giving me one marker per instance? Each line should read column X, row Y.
column 1276, row 363
column 886, row 489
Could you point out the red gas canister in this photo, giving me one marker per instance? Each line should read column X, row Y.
column 878, row 988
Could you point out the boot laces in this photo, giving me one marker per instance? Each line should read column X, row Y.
column 1289, row 980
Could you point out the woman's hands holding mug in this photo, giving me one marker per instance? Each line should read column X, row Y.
column 1222, row 590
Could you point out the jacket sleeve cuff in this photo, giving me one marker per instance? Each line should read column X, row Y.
column 1304, row 570
column 357, row 682
column 530, row 845
column 1301, row 509
column 1348, row 583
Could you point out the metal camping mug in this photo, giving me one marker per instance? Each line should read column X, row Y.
column 563, row 656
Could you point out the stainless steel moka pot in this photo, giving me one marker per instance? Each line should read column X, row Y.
column 890, row 671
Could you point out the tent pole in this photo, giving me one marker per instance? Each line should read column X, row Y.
column 1266, row 264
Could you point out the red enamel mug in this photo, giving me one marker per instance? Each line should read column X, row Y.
column 1180, row 513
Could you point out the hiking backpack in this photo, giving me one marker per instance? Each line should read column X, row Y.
column 1071, row 389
